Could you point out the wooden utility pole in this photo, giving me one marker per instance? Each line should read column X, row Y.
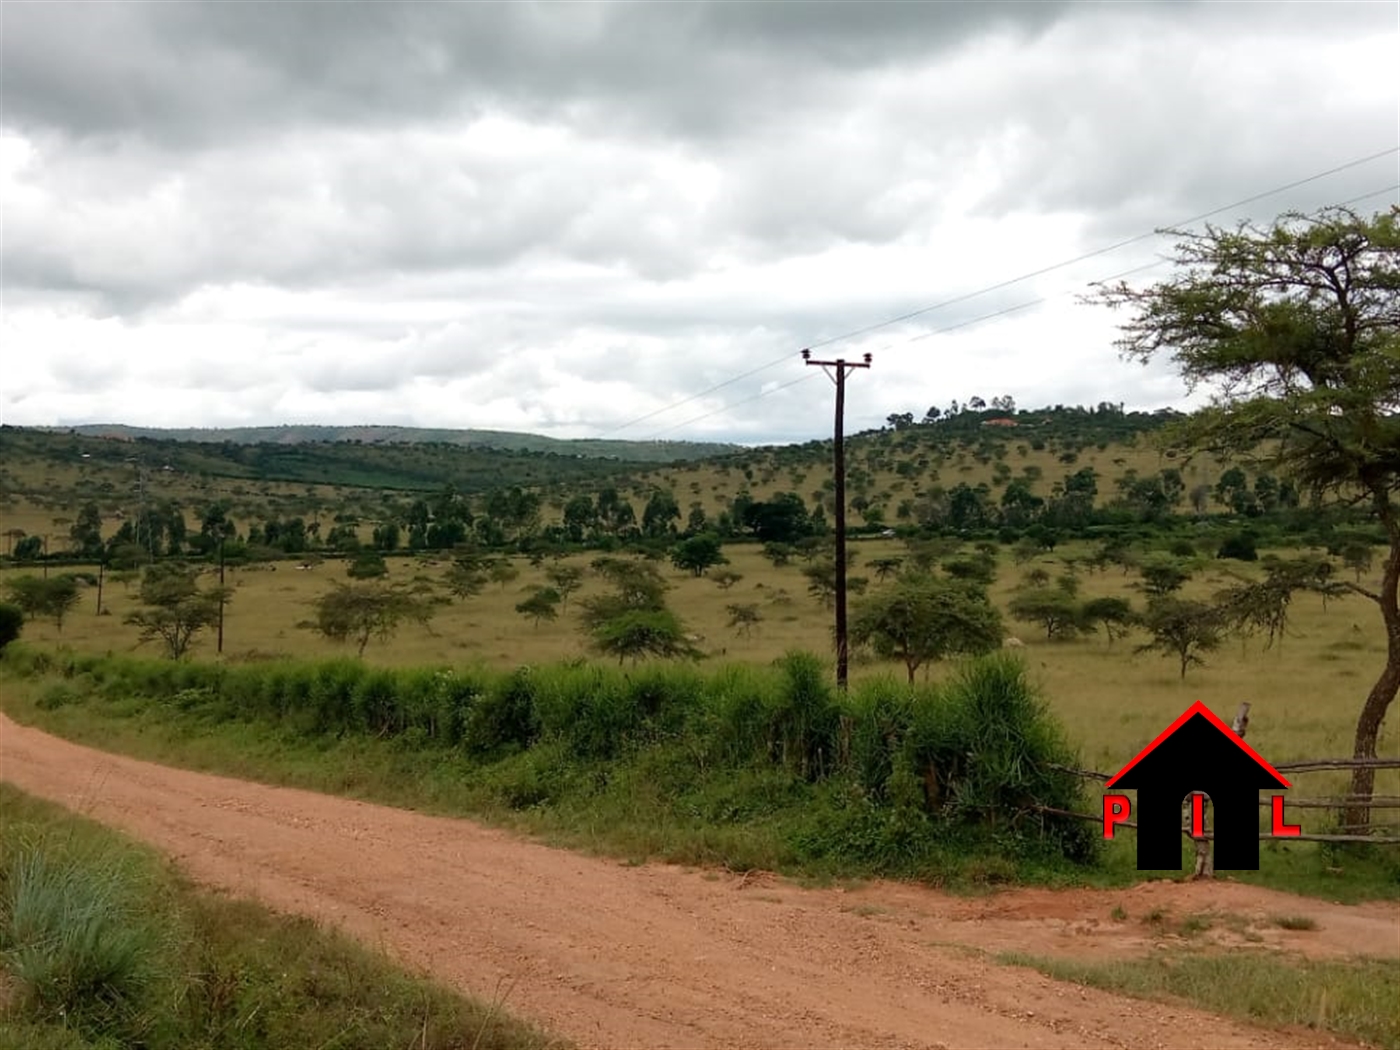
column 838, row 370
column 221, row 591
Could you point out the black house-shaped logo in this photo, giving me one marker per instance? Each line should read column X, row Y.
column 1198, row 752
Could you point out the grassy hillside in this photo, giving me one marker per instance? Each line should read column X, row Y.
column 504, row 440
column 977, row 470
column 893, row 473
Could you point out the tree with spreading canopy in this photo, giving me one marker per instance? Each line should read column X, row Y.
column 922, row 619
column 1295, row 328
column 356, row 612
column 52, row 596
column 175, row 610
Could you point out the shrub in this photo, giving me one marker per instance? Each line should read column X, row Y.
column 1239, row 547
column 11, row 623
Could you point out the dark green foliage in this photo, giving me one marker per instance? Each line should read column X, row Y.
column 1239, row 546
column 11, row 623
column 698, row 553
column 888, row 778
column 367, row 565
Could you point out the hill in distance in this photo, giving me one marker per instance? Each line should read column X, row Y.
column 508, row 441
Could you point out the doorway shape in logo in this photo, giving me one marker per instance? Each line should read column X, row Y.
column 1197, row 752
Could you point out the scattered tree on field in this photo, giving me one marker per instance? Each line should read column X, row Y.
column 542, row 604
column 175, row 610
column 1183, row 629
column 367, row 565
column 1163, row 576
column 643, row 632
column 503, row 572
column 1115, row 614
column 356, row 612
column 744, row 618
column 923, row 619
column 726, row 578
column 1051, row 608
column 697, row 554
column 52, row 596
column 565, row 579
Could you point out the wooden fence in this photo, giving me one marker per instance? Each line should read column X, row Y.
column 1204, row 867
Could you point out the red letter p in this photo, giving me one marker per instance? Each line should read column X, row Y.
column 1115, row 810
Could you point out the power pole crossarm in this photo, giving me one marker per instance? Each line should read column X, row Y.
column 838, row 370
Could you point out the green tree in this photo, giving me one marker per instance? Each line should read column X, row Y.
column 542, row 604
column 357, row 612
column 1163, row 576
column 367, row 565
column 466, row 577
column 698, row 553
column 660, row 514
column 1051, row 608
column 565, row 579
column 924, row 619
column 503, row 572
column 643, row 632
column 1183, row 629
column 86, row 531
column 175, row 610
column 1115, row 614
column 1297, row 327
column 886, row 567
column 53, row 596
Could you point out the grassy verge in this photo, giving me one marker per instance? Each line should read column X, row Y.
column 1355, row 999
column 103, row 945
column 654, row 765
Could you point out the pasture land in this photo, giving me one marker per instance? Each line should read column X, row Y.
column 1306, row 690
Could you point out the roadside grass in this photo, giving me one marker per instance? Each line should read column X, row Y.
column 105, row 946
column 658, row 802
column 1354, row 999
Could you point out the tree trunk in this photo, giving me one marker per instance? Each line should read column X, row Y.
column 1378, row 701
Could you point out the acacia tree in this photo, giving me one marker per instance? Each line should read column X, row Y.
column 927, row 618
column 175, row 610
column 1296, row 330
column 355, row 612
column 1183, row 629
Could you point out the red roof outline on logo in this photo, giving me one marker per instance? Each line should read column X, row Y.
column 1199, row 708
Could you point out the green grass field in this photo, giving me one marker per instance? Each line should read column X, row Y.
column 1305, row 692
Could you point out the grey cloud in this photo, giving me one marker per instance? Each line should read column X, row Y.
column 203, row 71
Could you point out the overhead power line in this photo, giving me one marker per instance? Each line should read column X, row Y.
column 910, row 315
column 1393, row 188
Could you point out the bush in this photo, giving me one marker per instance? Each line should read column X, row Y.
column 11, row 623
column 1239, row 547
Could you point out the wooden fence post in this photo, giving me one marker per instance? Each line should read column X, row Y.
column 1205, row 860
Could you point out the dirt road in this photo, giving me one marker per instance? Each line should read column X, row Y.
column 656, row 956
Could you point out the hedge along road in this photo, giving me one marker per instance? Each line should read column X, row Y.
column 602, row 953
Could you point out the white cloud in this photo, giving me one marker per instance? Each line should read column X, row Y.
column 563, row 218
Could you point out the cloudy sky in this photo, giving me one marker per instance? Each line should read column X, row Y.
column 577, row 218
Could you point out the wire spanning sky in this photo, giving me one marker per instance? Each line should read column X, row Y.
column 565, row 217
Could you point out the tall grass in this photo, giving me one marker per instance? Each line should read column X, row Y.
column 101, row 945
column 884, row 777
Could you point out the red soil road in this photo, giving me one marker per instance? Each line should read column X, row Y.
column 610, row 955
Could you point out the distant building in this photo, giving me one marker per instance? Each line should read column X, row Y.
column 1003, row 422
